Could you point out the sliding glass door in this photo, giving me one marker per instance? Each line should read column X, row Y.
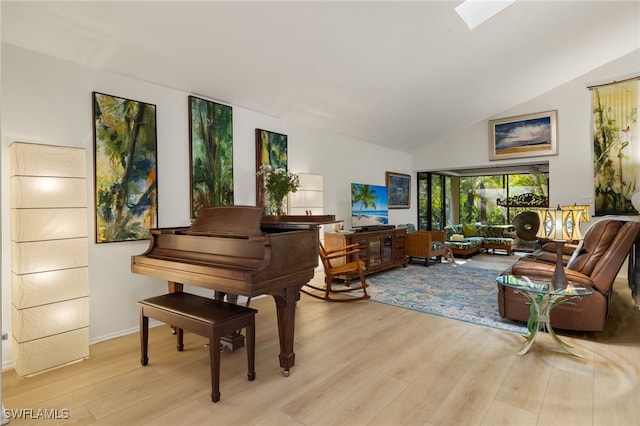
column 445, row 199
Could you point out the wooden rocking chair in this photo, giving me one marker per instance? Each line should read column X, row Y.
column 351, row 265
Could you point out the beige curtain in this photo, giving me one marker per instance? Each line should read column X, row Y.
column 615, row 144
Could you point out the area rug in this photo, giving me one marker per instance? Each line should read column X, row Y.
column 458, row 292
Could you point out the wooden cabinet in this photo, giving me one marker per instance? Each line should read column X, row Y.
column 379, row 250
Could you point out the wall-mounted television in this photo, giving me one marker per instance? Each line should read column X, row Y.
column 369, row 206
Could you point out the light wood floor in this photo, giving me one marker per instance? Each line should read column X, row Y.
column 362, row 363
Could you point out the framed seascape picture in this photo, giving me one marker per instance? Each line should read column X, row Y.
column 125, row 167
column 399, row 187
column 210, row 154
column 271, row 149
column 523, row 136
column 369, row 205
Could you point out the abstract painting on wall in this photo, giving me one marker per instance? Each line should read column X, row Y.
column 271, row 149
column 616, row 159
column 125, row 156
column 211, row 154
column 399, row 188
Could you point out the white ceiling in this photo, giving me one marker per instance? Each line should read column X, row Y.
column 397, row 74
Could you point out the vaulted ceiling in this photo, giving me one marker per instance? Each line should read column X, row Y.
column 397, row 74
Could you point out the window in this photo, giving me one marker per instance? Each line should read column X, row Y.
column 536, row 184
column 434, row 201
column 478, row 199
column 486, row 198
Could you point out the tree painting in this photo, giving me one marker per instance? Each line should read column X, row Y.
column 125, row 168
column 615, row 112
column 211, row 140
column 271, row 149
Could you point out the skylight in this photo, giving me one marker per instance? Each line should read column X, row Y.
column 475, row 12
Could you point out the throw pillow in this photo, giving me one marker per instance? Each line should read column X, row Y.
column 457, row 237
column 469, row 230
column 411, row 228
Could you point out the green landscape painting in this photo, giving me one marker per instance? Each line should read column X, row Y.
column 271, row 149
column 125, row 168
column 211, row 140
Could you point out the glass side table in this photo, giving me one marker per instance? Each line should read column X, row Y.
column 542, row 299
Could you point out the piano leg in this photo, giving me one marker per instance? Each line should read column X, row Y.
column 174, row 287
column 286, row 300
column 144, row 339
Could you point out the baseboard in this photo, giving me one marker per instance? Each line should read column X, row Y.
column 8, row 364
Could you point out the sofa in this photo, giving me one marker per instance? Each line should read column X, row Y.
column 469, row 239
column 594, row 263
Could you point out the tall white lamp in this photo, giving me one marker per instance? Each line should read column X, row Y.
column 309, row 198
column 49, row 256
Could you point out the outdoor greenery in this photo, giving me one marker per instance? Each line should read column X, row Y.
column 477, row 197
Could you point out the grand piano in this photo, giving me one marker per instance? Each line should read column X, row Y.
column 229, row 250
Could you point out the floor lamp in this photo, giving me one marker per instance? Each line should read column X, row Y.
column 560, row 225
column 308, row 200
column 49, row 256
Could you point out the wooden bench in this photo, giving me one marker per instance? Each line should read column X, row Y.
column 207, row 317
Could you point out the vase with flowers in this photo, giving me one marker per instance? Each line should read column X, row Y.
column 278, row 183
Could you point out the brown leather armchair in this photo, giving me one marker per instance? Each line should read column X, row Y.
column 599, row 258
column 548, row 253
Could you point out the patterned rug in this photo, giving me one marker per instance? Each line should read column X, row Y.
column 458, row 292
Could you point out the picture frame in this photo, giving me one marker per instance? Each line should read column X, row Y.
column 399, row 189
column 210, row 154
column 271, row 148
column 523, row 136
column 125, row 168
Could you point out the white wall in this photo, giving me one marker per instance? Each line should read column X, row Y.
column 46, row 100
column 571, row 171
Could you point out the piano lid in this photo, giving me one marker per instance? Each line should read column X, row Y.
column 233, row 220
column 297, row 221
column 303, row 219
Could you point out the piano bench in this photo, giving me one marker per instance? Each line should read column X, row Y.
column 203, row 316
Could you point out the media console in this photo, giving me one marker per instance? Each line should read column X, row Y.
column 379, row 250
column 373, row 228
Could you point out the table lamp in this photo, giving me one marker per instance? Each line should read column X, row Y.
column 560, row 225
column 582, row 207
